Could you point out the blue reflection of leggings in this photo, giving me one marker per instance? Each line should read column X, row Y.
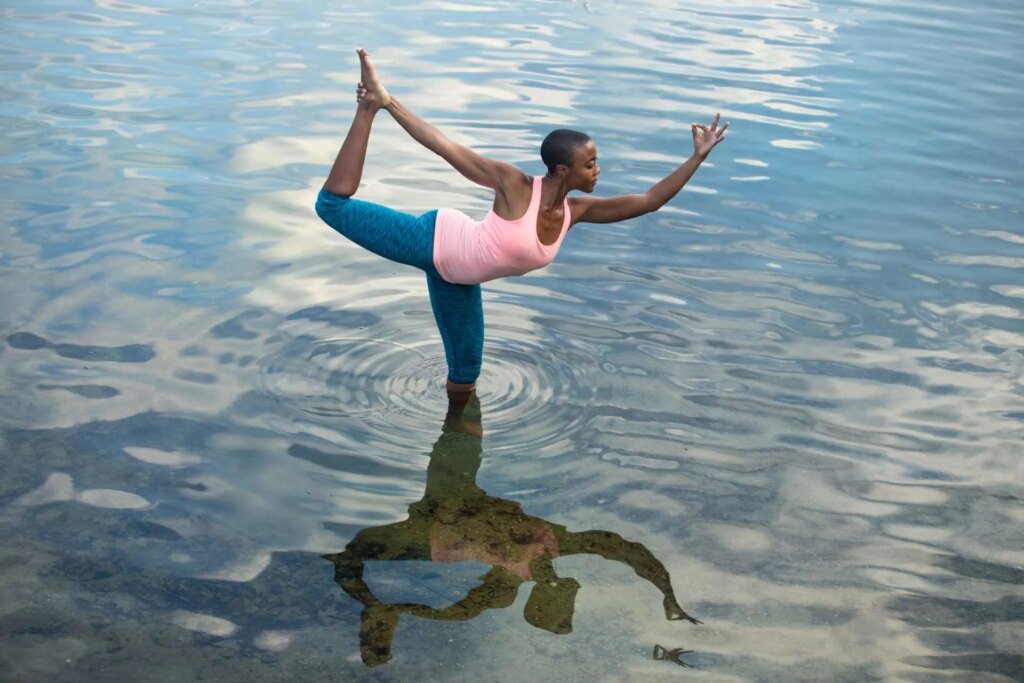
column 409, row 239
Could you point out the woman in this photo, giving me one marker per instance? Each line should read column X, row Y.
column 522, row 232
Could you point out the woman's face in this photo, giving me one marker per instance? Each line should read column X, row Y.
column 584, row 170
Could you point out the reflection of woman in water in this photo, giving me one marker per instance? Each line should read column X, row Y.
column 522, row 232
column 457, row 521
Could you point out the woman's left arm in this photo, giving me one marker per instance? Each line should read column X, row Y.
column 624, row 207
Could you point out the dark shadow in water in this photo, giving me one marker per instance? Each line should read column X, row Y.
column 976, row 569
column 457, row 521
column 91, row 391
column 938, row 612
column 1002, row 664
column 235, row 327
column 130, row 353
column 951, row 625
column 345, row 319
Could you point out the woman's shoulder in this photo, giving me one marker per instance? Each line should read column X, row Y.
column 518, row 186
column 521, row 178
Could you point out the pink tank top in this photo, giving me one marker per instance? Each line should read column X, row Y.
column 469, row 252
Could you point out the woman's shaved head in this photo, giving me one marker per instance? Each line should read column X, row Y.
column 560, row 146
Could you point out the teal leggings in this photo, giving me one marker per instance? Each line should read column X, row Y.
column 409, row 239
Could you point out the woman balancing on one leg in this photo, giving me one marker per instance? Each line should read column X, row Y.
column 522, row 232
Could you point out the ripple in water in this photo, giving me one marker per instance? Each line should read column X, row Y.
column 356, row 377
column 534, row 396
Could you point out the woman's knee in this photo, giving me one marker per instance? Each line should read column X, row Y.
column 328, row 205
column 341, row 188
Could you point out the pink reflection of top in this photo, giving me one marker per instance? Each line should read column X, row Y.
column 451, row 544
column 470, row 252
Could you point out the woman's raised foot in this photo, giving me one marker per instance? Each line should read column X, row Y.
column 371, row 91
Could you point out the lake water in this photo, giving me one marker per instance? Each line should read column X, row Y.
column 797, row 389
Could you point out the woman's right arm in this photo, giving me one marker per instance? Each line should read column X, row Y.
column 477, row 168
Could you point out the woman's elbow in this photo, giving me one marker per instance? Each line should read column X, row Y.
column 650, row 204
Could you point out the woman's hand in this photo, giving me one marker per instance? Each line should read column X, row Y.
column 705, row 139
column 614, row 209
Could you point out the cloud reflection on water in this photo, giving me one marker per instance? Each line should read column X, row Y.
column 801, row 393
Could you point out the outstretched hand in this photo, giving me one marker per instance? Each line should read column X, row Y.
column 705, row 138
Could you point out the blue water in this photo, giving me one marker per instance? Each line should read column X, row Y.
column 797, row 387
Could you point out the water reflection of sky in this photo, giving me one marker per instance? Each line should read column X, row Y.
column 798, row 385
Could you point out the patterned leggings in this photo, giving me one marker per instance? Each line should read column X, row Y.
column 409, row 239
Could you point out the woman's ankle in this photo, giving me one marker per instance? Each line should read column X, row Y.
column 458, row 388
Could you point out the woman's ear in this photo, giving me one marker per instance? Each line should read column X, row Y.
column 561, row 170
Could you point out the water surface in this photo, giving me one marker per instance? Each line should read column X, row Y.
column 797, row 387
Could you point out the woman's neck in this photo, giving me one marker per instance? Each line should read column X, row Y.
column 553, row 192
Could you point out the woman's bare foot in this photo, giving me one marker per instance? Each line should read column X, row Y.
column 370, row 90
column 464, row 412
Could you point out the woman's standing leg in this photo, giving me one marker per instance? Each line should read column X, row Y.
column 459, row 313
